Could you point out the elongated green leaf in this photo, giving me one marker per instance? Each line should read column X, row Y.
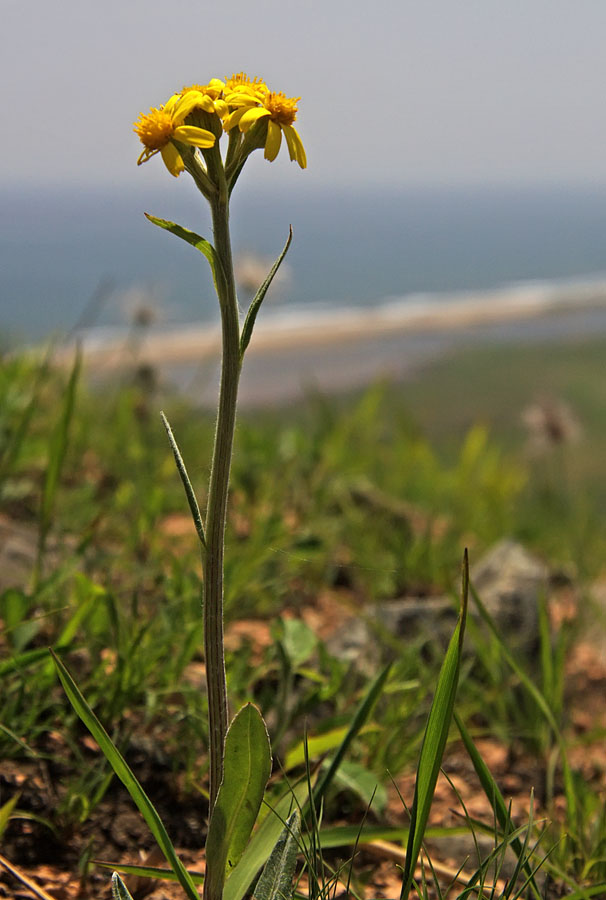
column 494, row 795
column 119, row 889
column 361, row 781
column 187, row 485
column 317, row 745
column 27, row 658
column 276, row 879
column 200, row 243
column 156, row 872
column 434, row 739
column 246, row 770
column 14, row 438
column 262, row 842
column 56, row 457
column 255, row 306
column 596, row 890
column 361, row 715
column 349, row 835
column 6, row 811
column 124, row 773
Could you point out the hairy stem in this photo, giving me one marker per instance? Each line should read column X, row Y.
column 217, row 499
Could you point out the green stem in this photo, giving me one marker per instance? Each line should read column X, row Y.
column 217, row 498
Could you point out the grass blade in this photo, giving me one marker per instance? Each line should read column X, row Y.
column 57, row 452
column 157, row 873
column 434, row 740
column 597, row 890
column 126, row 776
column 535, row 693
column 6, row 811
column 14, row 440
column 34, row 888
column 27, row 658
column 360, row 717
column 494, row 795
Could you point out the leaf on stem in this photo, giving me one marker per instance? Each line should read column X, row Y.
column 187, row 485
column 434, row 739
column 255, row 306
column 200, row 243
column 246, row 768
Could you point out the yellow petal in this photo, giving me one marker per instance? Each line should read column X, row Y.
column 250, row 116
column 196, row 137
column 187, row 103
column 273, row 141
column 295, row 145
column 207, row 104
column 241, row 96
column 233, row 119
column 215, row 87
column 172, row 159
column 170, row 104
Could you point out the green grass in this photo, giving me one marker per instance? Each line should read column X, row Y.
column 369, row 496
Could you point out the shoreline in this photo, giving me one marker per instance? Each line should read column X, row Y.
column 338, row 350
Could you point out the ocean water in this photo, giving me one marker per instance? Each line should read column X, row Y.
column 88, row 259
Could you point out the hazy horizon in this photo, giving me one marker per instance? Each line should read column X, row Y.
column 60, row 247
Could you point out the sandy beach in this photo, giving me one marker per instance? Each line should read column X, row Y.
column 347, row 348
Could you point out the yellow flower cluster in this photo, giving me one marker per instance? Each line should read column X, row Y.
column 239, row 102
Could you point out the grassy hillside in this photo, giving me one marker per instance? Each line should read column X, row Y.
column 335, row 504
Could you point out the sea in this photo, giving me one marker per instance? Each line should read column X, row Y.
column 84, row 260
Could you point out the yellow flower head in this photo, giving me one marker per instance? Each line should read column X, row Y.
column 280, row 112
column 210, row 99
column 161, row 127
column 240, row 90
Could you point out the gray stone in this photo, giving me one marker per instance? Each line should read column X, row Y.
column 509, row 581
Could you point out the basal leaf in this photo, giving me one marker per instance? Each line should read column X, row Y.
column 262, row 843
column 276, row 879
column 247, row 766
column 119, row 889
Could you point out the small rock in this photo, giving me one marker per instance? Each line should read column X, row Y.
column 509, row 581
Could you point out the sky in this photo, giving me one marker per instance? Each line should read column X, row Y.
column 392, row 92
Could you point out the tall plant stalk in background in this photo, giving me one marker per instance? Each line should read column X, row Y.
column 186, row 131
